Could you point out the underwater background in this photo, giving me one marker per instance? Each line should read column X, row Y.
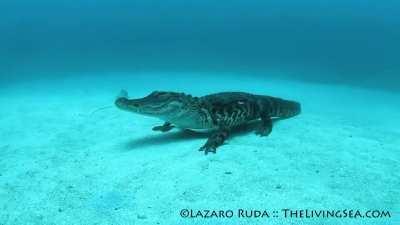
column 355, row 42
column 69, row 156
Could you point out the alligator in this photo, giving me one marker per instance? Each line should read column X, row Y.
column 215, row 113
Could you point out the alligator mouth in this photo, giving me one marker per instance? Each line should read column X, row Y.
column 126, row 104
column 139, row 106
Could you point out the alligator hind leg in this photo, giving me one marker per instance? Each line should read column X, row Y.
column 265, row 127
column 167, row 126
column 214, row 141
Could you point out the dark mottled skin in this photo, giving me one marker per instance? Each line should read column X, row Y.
column 218, row 112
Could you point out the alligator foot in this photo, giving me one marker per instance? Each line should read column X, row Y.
column 266, row 126
column 164, row 128
column 214, row 141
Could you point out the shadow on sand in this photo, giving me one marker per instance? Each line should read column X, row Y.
column 183, row 135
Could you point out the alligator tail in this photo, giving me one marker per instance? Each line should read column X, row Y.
column 288, row 108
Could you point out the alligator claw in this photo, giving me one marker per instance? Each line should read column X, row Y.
column 214, row 141
column 208, row 149
column 164, row 128
column 262, row 132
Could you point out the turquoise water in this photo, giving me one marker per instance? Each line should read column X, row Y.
column 69, row 156
column 342, row 41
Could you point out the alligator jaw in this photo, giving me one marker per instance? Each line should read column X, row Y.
column 162, row 105
column 130, row 105
column 122, row 103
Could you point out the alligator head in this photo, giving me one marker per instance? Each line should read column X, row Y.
column 158, row 104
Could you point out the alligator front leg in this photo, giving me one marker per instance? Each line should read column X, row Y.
column 265, row 127
column 167, row 126
column 214, row 141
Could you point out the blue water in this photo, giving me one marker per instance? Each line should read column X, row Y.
column 69, row 156
column 342, row 41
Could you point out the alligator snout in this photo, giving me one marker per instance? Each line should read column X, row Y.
column 132, row 105
column 122, row 103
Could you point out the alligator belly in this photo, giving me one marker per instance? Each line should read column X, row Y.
column 202, row 130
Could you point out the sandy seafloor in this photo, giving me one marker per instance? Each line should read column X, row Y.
column 63, row 162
